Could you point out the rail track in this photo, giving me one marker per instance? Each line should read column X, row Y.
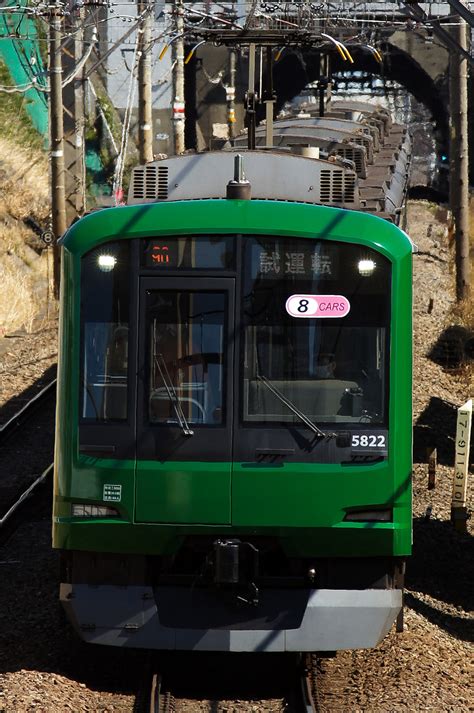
column 26, row 493
column 310, row 697
column 151, row 696
column 161, row 700
column 24, row 414
column 26, row 454
column 161, row 691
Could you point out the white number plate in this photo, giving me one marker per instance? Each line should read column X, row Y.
column 369, row 441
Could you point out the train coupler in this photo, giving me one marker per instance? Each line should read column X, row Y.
column 236, row 568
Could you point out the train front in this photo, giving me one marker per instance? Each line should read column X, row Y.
column 234, row 426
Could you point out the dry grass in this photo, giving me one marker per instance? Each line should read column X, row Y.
column 17, row 308
column 24, row 189
column 23, row 194
column 463, row 314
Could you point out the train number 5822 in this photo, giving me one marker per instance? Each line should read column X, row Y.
column 368, row 441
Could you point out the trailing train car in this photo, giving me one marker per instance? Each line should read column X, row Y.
column 233, row 454
column 358, row 132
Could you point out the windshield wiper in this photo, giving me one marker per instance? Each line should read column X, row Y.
column 173, row 396
column 294, row 408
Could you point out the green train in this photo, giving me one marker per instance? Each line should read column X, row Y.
column 233, row 452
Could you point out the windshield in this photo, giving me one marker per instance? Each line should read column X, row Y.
column 187, row 343
column 316, row 318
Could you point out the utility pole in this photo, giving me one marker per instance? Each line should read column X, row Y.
column 58, row 198
column 230, row 92
column 269, row 98
column 323, row 84
column 145, row 115
column 459, row 160
column 178, row 77
column 251, row 101
column 73, row 99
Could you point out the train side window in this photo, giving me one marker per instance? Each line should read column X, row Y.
column 105, row 298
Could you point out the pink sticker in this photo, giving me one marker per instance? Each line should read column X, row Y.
column 317, row 306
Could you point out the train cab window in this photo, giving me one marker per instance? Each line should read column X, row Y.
column 316, row 319
column 186, row 346
column 105, row 333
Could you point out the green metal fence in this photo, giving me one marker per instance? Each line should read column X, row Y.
column 20, row 50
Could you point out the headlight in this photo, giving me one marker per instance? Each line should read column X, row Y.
column 83, row 510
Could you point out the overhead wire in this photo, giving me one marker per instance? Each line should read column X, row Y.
column 310, row 12
column 35, row 84
column 120, row 163
column 103, row 117
column 43, row 86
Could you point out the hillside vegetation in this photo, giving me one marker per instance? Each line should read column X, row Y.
column 24, row 196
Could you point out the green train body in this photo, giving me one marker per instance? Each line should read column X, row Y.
column 193, row 507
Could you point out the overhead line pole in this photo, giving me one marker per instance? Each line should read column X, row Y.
column 58, row 194
column 251, row 101
column 230, row 89
column 178, row 80
column 145, row 115
column 73, row 98
column 269, row 98
column 459, row 161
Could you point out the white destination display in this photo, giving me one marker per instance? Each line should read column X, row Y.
column 317, row 306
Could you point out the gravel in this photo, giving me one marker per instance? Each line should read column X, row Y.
column 22, row 465
column 428, row 667
column 27, row 364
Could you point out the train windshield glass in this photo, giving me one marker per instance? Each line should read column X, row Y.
column 186, row 337
column 316, row 319
column 104, row 332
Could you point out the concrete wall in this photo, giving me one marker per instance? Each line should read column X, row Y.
column 117, row 74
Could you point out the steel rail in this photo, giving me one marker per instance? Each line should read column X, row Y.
column 15, row 421
column 161, row 700
column 25, row 494
column 309, row 703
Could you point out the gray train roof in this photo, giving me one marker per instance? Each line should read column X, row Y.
column 311, row 132
column 345, row 149
column 350, row 104
column 331, row 133
column 378, row 120
column 273, row 176
column 326, row 123
column 278, row 173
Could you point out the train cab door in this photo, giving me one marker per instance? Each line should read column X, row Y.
column 184, row 404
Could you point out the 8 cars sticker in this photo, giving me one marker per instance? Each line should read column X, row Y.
column 317, row 306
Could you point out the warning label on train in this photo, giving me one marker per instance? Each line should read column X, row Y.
column 112, row 493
